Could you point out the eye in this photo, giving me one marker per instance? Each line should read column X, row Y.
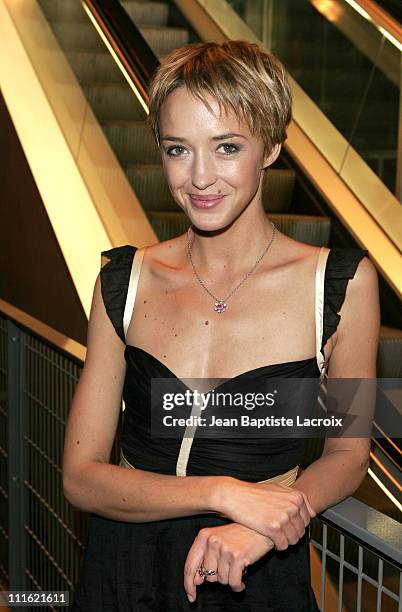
column 234, row 148
column 170, row 150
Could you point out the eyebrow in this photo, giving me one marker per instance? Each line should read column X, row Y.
column 220, row 137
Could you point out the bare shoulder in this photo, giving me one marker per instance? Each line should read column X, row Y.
column 359, row 326
column 168, row 253
column 365, row 279
column 362, row 295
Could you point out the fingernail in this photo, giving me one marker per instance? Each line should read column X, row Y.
column 190, row 598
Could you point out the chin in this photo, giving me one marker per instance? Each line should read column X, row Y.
column 203, row 224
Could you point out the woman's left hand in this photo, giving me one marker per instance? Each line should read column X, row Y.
column 227, row 549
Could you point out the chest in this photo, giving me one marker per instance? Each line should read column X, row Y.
column 267, row 321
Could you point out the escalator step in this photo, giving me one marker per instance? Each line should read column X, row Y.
column 311, row 229
column 162, row 40
column 150, row 186
column 95, row 66
column 277, row 194
column 80, row 36
column 305, row 228
column 133, row 142
column 62, row 10
column 147, row 13
column 111, row 101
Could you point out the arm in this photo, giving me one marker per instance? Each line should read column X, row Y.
column 344, row 462
column 92, row 484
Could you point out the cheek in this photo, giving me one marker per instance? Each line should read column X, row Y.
column 175, row 174
column 242, row 173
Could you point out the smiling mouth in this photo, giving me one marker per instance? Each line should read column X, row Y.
column 206, row 201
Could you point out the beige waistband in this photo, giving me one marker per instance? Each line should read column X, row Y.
column 287, row 478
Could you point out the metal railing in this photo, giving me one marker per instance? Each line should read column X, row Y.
column 47, row 534
column 360, row 549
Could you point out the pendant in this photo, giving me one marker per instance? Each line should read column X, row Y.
column 220, row 306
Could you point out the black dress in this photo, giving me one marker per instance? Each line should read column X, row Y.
column 136, row 567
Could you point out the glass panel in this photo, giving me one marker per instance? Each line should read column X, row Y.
column 345, row 65
column 374, row 133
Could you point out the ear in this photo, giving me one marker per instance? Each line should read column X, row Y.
column 272, row 156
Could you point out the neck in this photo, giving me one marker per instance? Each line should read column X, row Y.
column 233, row 249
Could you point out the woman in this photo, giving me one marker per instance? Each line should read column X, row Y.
column 225, row 299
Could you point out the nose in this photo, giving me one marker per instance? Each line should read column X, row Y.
column 203, row 171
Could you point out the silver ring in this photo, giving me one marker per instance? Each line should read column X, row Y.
column 206, row 572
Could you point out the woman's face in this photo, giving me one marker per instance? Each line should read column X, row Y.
column 212, row 174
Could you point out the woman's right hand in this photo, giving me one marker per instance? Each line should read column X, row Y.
column 277, row 511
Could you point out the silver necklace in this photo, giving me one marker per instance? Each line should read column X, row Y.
column 221, row 305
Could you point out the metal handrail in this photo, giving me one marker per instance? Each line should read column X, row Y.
column 381, row 19
column 125, row 42
column 34, row 326
column 365, row 525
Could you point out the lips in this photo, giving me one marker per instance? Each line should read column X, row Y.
column 206, row 201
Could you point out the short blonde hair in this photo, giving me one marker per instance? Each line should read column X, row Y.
column 238, row 74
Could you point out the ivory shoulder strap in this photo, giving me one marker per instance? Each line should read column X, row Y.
column 319, row 305
column 132, row 288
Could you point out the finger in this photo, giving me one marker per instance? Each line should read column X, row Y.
column 307, row 504
column 198, row 578
column 290, row 534
column 297, row 520
column 295, row 529
column 304, row 514
column 303, row 507
column 223, row 570
column 211, row 557
column 311, row 510
column 194, row 559
column 279, row 539
column 292, row 527
column 236, row 577
column 302, row 526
